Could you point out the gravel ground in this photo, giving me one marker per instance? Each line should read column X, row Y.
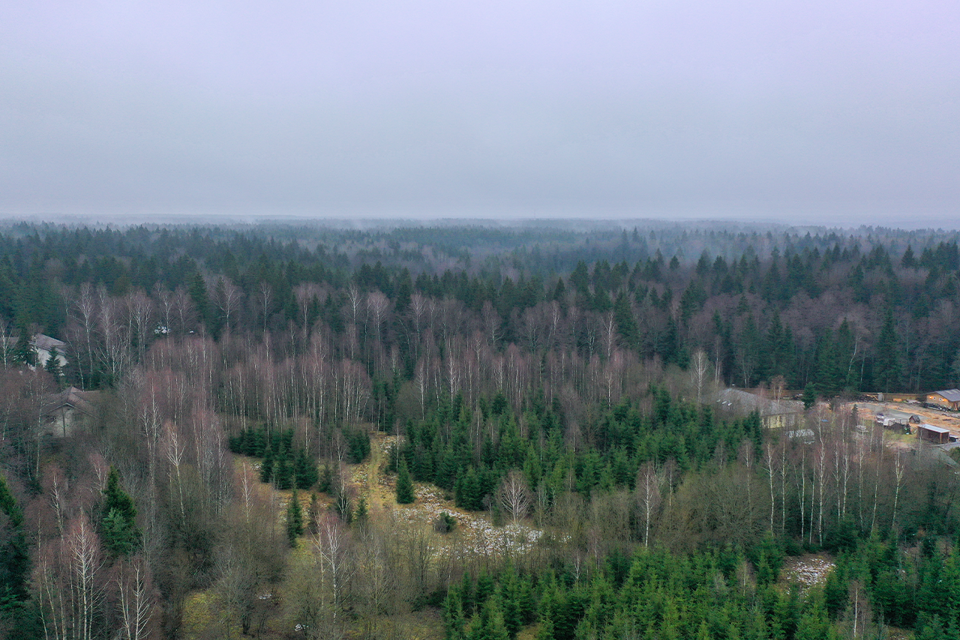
column 807, row 571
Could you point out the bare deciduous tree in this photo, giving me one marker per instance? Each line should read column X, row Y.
column 135, row 597
column 514, row 495
column 226, row 296
column 648, row 497
column 699, row 365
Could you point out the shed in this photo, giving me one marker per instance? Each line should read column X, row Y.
column 946, row 398
column 930, row 433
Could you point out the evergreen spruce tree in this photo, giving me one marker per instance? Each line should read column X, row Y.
column 809, row 396
column 23, row 351
column 118, row 522
column 8, row 504
column 510, row 598
column 266, row 467
column 14, row 560
column 283, row 472
column 198, row 293
column 468, row 493
column 294, row 518
column 258, row 443
column 52, row 366
column 453, row 619
column 361, row 515
column 325, row 483
column 405, row 490
column 887, row 371
column 305, row 470
column 545, row 632
column 467, row 594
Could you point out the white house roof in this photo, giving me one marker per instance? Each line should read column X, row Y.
column 930, row 427
column 41, row 341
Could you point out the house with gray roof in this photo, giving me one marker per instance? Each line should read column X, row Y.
column 948, row 399
column 775, row 414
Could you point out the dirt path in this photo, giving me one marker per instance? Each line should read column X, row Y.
column 902, row 411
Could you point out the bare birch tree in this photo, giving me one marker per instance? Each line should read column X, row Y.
column 514, row 495
column 699, row 365
column 648, row 497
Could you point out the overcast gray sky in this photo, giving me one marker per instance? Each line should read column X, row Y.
column 836, row 111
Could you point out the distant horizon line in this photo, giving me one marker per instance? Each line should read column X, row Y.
column 425, row 220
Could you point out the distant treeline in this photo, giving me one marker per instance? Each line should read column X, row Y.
column 872, row 310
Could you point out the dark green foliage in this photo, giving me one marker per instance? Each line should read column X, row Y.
column 361, row 515
column 405, row 491
column 266, row 466
column 119, row 537
column 14, row 559
column 52, row 365
column 469, row 491
column 887, row 369
column 23, row 351
column 455, row 625
column 662, row 596
column 489, row 624
column 294, row 519
column 444, row 523
column 809, row 397
column 283, row 476
column 358, row 445
column 283, row 463
column 325, row 483
column 305, row 471
column 8, row 504
column 118, row 524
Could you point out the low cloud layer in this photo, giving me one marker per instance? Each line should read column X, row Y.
column 800, row 111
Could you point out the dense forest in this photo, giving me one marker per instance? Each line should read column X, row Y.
column 558, row 377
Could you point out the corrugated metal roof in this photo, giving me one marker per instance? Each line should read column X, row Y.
column 930, row 427
column 952, row 395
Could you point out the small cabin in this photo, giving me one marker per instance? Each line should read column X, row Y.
column 936, row 435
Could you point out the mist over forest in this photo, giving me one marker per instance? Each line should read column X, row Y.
column 470, row 429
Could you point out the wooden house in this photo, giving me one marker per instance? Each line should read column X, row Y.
column 947, row 398
column 64, row 412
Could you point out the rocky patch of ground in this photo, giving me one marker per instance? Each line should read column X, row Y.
column 807, row 571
